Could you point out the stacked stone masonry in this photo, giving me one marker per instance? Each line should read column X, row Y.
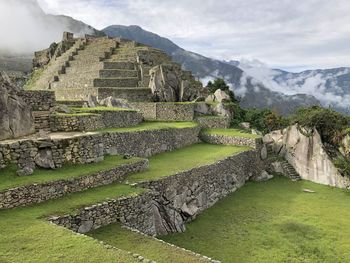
column 166, row 111
column 87, row 148
column 231, row 140
column 37, row 193
column 173, row 200
column 209, row 122
column 95, row 121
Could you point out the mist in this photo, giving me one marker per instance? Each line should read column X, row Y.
column 26, row 28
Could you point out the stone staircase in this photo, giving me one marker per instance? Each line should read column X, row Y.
column 290, row 171
column 102, row 67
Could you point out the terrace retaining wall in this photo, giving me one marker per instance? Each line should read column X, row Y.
column 172, row 201
column 88, row 148
column 37, row 193
column 231, row 140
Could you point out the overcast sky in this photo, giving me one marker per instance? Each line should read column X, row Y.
column 286, row 34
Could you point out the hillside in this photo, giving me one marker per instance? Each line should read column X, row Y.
column 252, row 93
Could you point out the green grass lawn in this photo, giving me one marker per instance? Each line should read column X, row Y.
column 153, row 125
column 230, row 132
column 26, row 236
column 9, row 179
column 169, row 163
column 274, row 221
column 122, row 238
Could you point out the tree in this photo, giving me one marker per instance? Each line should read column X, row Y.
column 327, row 122
column 221, row 84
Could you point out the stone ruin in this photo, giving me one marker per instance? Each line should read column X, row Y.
column 78, row 68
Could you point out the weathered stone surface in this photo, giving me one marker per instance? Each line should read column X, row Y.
column 16, row 119
column 222, row 109
column 44, row 159
column 170, row 84
column 202, row 108
column 221, row 96
column 230, row 140
column 264, row 176
column 172, row 201
column 37, row 193
column 307, row 155
column 114, row 102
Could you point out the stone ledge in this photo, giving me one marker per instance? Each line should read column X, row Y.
column 37, row 193
column 230, row 140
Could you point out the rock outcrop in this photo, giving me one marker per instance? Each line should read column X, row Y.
column 305, row 151
column 169, row 83
column 16, row 119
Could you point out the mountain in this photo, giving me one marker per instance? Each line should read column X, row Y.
column 330, row 86
column 252, row 92
column 35, row 31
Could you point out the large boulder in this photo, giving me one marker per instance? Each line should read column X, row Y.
column 114, row 102
column 304, row 150
column 170, row 84
column 16, row 118
column 221, row 96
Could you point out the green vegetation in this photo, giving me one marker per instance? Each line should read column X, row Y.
column 221, row 84
column 34, row 77
column 274, row 221
column 165, row 164
column 122, row 238
column 230, row 132
column 329, row 123
column 153, row 125
column 343, row 165
column 9, row 179
column 26, row 237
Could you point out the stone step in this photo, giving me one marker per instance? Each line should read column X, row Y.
column 118, row 65
column 84, row 68
column 118, row 73
column 116, row 82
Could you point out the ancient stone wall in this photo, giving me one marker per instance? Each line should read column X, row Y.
column 37, row 193
column 209, row 122
column 95, row 121
column 229, row 140
column 173, row 200
column 67, row 123
column 166, row 111
column 88, row 148
column 135, row 212
column 39, row 100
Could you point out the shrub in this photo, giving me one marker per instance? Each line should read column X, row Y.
column 221, row 84
column 327, row 122
column 343, row 165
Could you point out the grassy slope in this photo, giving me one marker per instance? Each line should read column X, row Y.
column 153, row 125
column 169, row 163
column 101, row 108
column 274, row 221
column 26, row 237
column 231, row 132
column 122, row 238
column 9, row 179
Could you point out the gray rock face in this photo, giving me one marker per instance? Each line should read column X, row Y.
column 16, row 119
column 221, row 96
column 307, row 155
column 170, row 84
column 114, row 102
column 264, row 176
column 44, row 159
